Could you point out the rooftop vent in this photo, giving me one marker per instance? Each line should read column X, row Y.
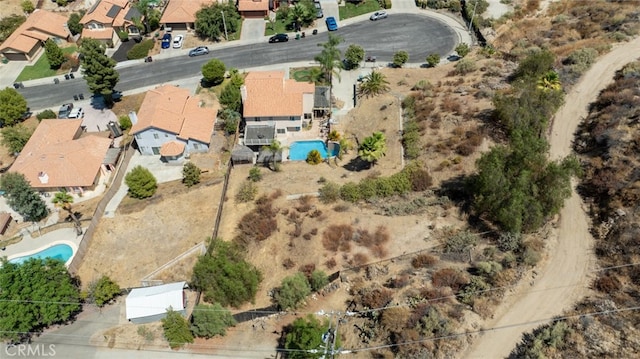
column 43, row 177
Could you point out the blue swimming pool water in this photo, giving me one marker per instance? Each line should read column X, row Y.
column 298, row 150
column 59, row 251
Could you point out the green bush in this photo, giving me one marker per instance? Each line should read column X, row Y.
column 465, row 66
column 123, row 35
column 190, row 174
column 400, row 58
column 318, row 280
column 176, row 329
column 350, row 192
column 433, row 60
column 46, row 114
column 463, row 49
column 460, row 242
column 247, row 192
column 211, row 320
column 581, row 59
column 125, row 122
column 254, row 174
column 293, row 290
column 213, row 72
column 314, row 157
column 475, row 288
column 141, row 50
column 103, row 291
column 141, row 182
column 329, row 192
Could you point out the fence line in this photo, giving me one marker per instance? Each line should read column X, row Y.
column 102, row 205
column 201, row 246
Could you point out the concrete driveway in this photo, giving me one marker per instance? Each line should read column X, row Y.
column 329, row 8
column 96, row 120
column 252, row 29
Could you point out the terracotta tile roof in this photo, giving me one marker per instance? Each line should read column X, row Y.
column 106, row 12
column 66, row 161
column 253, row 5
column 172, row 148
column 40, row 25
column 100, row 34
column 183, row 11
column 174, row 110
column 267, row 93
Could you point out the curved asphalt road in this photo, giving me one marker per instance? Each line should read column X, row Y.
column 418, row 35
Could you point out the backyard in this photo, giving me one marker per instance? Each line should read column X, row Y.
column 42, row 69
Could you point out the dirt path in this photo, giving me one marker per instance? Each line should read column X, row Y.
column 563, row 278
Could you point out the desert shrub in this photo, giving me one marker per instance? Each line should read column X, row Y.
column 190, row 174
column 293, row 290
column 341, row 208
column 423, row 261
column 466, row 148
column 254, row 174
column 366, row 239
column 141, row 183
column 607, row 284
column 400, row 58
column 46, row 114
column 460, row 242
column 338, row 237
column 434, row 324
column 474, row 289
column 359, row 259
column 411, row 140
column 449, row 277
column 433, row 60
column 314, row 157
column 288, row 263
column 395, row 319
column 580, row 60
column 258, row 224
column 350, row 192
column 509, row 242
column 398, row 281
column 318, row 279
column 304, row 204
column 421, row 85
column 247, row 192
column 537, row 344
column 488, row 269
column 465, row 66
column 421, row 180
column 462, row 49
column 530, row 257
column 141, row 50
column 376, row 298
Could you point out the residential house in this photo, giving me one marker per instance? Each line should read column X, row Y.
column 58, row 156
column 273, row 106
column 150, row 304
column 253, row 8
column 181, row 14
column 106, row 18
column 171, row 123
column 29, row 38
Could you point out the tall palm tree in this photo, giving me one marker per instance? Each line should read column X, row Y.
column 63, row 200
column 550, row 82
column 329, row 58
column 373, row 84
column 373, row 148
column 275, row 148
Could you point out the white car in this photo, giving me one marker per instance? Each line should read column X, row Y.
column 77, row 112
column 378, row 15
column 177, row 41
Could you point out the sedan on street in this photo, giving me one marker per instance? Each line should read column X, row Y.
column 200, row 50
column 279, row 38
column 332, row 25
column 378, row 15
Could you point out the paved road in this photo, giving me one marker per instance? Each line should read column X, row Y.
column 400, row 33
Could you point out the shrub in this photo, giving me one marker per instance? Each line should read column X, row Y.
column 293, row 290
column 337, row 237
column 190, row 174
column 423, row 261
column 377, row 298
column 141, row 183
column 46, row 114
column 211, row 320
column 400, row 58
column 353, row 56
column 508, row 242
column 125, row 122
column 329, row 192
column 433, row 60
column 460, row 242
column 123, row 35
column 255, row 175
column 103, row 291
column 350, row 192
column 213, row 72
column 314, row 157
column 141, row 50
column 176, row 329
column 258, row 224
column 318, row 280
column 420, row 180
column 465, row 66
column 581, row 59
column 27, row 6
column 247, row 192
column 476, row 288
column 462, row 49
column 449, row 277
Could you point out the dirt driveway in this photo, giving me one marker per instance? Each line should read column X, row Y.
column 563, row 278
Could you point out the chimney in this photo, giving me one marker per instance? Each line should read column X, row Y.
column 133, row 117
column 43, row 177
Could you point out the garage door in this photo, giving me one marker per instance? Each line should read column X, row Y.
column 177, row 26
column 254, row 14
column 15, row 57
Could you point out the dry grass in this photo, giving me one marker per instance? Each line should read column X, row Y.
column 128, row 104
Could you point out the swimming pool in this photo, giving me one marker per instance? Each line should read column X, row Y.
column 58, row 251
column 298, row 150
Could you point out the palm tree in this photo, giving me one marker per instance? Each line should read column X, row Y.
column 373, row 84
column 63, row 200
column 329, row 58
column 550, row 82
column 313, row 74
column 275, row 148
column 373, row 148
column 142, row 23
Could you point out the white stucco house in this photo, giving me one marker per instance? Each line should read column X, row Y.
column 150, row 304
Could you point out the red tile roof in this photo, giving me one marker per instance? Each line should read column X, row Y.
column 183, row 11
column 253, row 5
column 268, row 93
column 39, row 26
column 172, row 149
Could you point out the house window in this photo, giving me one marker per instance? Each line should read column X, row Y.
column 307, row 116
column 282, row 131
column 166, row 135
column 196, row 146
column 156, row 150
column 96, row 26
column 155, row 135
column 292, row 118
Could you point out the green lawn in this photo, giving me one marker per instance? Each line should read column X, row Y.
column 41, row 68
column 280, row 27
column 351, row 10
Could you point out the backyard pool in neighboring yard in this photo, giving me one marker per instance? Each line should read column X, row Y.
column 57, row 251
column 299, row 149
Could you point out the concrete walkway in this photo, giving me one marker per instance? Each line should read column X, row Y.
column 29, row 245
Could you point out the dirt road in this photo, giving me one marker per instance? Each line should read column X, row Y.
column 564, row 277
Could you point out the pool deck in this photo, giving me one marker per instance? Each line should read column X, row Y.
column 29, row 245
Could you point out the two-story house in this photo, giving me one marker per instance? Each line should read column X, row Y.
column 28, row 39
column 273, row 105
column 171, row 123
column 106, row 18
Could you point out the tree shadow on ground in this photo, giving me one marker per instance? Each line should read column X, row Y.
column 357, row 165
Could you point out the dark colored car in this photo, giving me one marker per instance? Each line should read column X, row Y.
column 65, row 110
column 166, row 41
column 332, row 25
column 319, row 13
column 200, row 50
column 279, row 38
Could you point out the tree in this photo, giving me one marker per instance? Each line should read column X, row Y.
column 22, row 198
column 190, row 174
column 301, row 14
column 225, row 277
column 176, row 329
column 9, row 24
column 373, row 148
column 329, row 58
column 12, row 106
column 230, row 98
column 462, row 49
column 274, row 148
column 143, row 7
column 63, row 200
column 293, row 290
column 433, row 60
column 54, row 54
column 305, row 335
column 373, row 84
column 14, row 138
column 210, row 21
column 74, row 24
column 211, row 320
column 318, row 280
column 125, row 122
column 213, row 72
column 141, row 182
column 314, row 157
column 35, row 294
column 103, row 291
column 400, row 58
column 27, row 6
column 231, row 118
column 353, row 56
column 99, row 69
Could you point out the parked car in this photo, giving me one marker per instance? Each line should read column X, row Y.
column 319, row 13
column 166, row 41
column 200, row 50
column 77, row 112
column 65, row 110
column 378, row 15
column 279, row 38
column 177, row 41
column 332, row 25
